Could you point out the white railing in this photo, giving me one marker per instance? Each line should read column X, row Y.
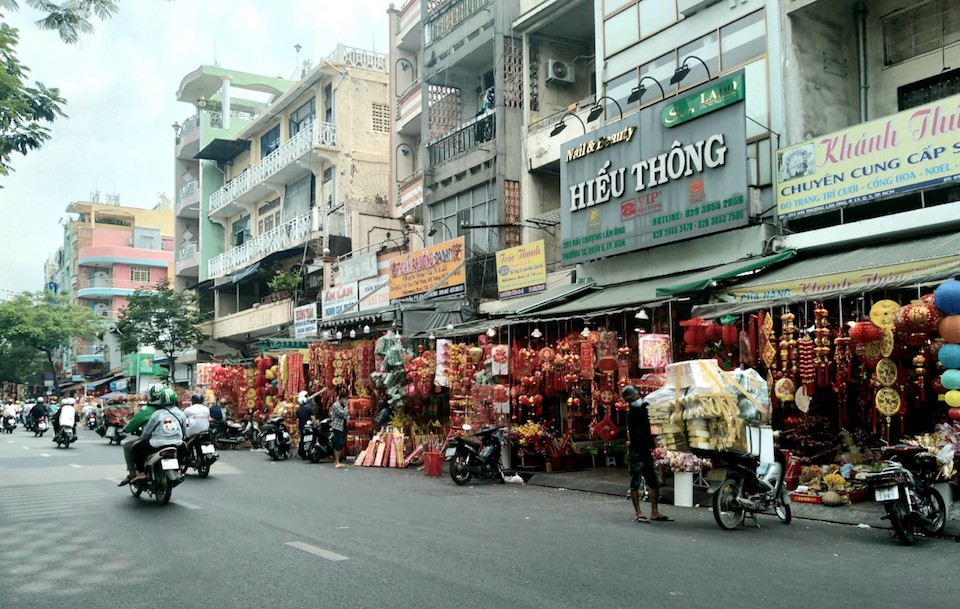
column 189, row 125
column 108, row 282
column 359, row 58
column 188, row 189
column 316, row 134
column 285, row 236
column 186, row 250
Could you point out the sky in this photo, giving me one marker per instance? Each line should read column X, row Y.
column 120, row 83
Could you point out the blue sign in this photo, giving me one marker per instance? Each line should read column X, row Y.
column 53, row 287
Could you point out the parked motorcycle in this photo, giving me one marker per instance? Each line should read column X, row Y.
column 67, row 436
column 469, row 458
column 200, row 455
column 315, row 442
column 276, row 439
column 748, row 487
column 905, row 488
column 9, row 424
column 230, row 434
column 163, row 473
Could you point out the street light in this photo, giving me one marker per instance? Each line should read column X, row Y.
column 684, row 69
column 561, row 125
column 433, row 230
column 637, row 93
column 597, row 109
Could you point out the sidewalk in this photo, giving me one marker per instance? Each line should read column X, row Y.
column 613, row 481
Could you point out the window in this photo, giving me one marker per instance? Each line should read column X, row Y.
column 240, row 231
column 928, row 90
column 743, row 40
column 270, row 141
column 328, row 103
column 268, row 217
column 621, row 31
column 920, row 29
column 297, row 199
column 147, row 238
column 140, row 274
column 329, row 187
column 302, row 117
column 381, row 118
column 656, row 15
column 476, row 206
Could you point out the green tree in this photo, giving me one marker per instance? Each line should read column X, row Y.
column 20, row 364
column 45, row 323
column 161, row 318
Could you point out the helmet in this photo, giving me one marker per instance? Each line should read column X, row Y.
column 302, row 398
column 168, row 397
column 68, row 401
column 630, row 393
column 154, row 392
column 196, row 398
column 40, row 400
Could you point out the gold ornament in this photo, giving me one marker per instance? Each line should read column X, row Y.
column 882, row 313
column 887, row 401
column 886, row 372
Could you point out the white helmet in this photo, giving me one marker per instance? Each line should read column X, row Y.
column 302, row 398
column 40, row 400
column 68, row 401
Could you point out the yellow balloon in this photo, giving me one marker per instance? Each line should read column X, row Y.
column 270, row 374
column 953, row 398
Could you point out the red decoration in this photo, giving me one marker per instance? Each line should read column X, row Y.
column 605, row 429
column 954, row 413
column 865, row 332
column 729, row 334
column 713, row 332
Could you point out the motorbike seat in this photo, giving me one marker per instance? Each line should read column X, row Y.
column 473, row 443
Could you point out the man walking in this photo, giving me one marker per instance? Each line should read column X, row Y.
column 338, row 425
column 640, row 445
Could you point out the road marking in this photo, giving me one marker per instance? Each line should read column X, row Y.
column 189, row 506
column 44, row 455
column 26, row 448
column 74, row 465
column 327, row 554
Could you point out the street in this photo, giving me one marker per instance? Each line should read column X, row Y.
column 292, row 534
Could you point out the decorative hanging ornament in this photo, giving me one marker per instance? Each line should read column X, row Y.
column 952, row 398
column 950, row 328
column 887, row 401
column 949, row 356
column 947, row 297
column 886, row 372
column 950, row 378
column 882, row 313
column 865, row 332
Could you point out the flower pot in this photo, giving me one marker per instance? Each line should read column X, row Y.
column 683, row 489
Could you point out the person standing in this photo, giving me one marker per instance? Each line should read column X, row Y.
column 338, row 425
column 640, row 462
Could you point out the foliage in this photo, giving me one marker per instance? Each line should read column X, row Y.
column 44, row 323
column 285, row 281
column 20, row 363
column 162, row 318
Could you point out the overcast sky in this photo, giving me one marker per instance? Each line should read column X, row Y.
column 120, row 84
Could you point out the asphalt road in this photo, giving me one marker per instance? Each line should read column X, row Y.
column 259, row 534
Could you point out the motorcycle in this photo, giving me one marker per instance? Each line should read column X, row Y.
column 276, row 439
column 39, row 427
column 747, row 487
column 905, row 488
column 200, row 455
column 230, row 434
column 315, row 443
column 9, row 424
column 469, row 458
column 67, row 436
column 163, row 473
column 92, row 420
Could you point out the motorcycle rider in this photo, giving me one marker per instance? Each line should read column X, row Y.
column 38, row 411
column 9, row 410
column 198, row 418
column 139, row 420
column 65, row 415
column 166, row 427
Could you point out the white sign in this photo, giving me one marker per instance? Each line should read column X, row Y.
column 358, row 267
column 374, row 292
column 341, row 299
column 305, row 321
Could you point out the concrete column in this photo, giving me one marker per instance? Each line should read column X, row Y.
column 225, row 102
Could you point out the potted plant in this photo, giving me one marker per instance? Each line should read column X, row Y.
column 284, row 283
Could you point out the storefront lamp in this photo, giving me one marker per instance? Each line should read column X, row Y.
column 585, row 332
column 536, row 333
column 561, row 124
column 597, row 109
column 642, row 315
column 326, row 335
column 366, row 329
column 637, row 94
column 353, row 333
column 684, row 69
column 432, row 337
column 339, row 334
column 491, row 332
column 449, row 326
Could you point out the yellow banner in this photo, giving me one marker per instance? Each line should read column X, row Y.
column 521, row 270
column 912, row 150
column 849, row 282
column 437, row 269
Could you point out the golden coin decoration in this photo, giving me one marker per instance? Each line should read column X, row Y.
column 882, row 312
column 886, row 343
column 887, row 401
column 886, row 372
column 873, row 349
column 803, row 400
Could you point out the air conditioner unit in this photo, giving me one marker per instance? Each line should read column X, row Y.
column 560, row 73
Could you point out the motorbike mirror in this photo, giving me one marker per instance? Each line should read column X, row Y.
column 466, row 427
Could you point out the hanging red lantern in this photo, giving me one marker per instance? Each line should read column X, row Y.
column 865, row 332
column 950, row 328
column 729, row 334
column 713, row 332
column 954, row 413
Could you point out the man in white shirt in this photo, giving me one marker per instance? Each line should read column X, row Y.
column 198, row 418
column 66, row 415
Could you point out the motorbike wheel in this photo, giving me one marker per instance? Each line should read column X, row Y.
column 783, row 511
column 273, row 452
column 898, row 520
column 203, row 470
column 938, row 511
column 726, row 515
column 460, row 469
column 163, row 490
column 136, row 489
column 314, row 456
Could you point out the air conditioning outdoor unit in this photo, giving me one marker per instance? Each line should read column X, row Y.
column 560, row 73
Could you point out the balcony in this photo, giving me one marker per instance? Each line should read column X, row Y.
column 408, row 25
column 105, row 256
column 259, row 320
column 285, row 236
column 188, row 138
column 358, row 58
column 188, row 200
column 468, row 137
column 411, row 192
column 447, row 16
column 280, row 166
column 409, row 106
column 543, row 151
column 96, row 286
column 188, row 260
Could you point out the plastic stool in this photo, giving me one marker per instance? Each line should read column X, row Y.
column 611, row 461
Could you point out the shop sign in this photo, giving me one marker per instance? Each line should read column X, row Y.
column 521, row 270
column 339, row 299
column 862, row 280
column 717, row 95
column 142, row 364
column 305, row 321
column 118, row 385
column 437, row 269
column 908, row 151
column 358, row 267
column 374, row 292
column 674, row 184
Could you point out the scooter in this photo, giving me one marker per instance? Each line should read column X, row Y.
column 39, row 427
column 9, row 424
column 66, row 437
column 276, row 439
column 748, row 487
column 905, row 488
column 200, row 455
column 469, row 458
column 92, row 420
column 230, row 434
column 163, row 473
column 315, row 442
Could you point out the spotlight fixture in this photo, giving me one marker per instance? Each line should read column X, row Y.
column 339, row 335
column 353, row 333
column 536, row 333
column 642, row 315
column 491, row 332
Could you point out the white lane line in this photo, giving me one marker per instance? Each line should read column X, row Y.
column 189, row 506
column 26, row 448
column 44, row 455
column 327, row 554
column 74, row 465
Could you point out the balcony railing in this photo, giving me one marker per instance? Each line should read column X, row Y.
column 187, row 257
column 189, row 188
column 359, row 58
column 188, row 126
column 316, row 134
column 287, row 235
column 469, row 136
column 111, row 283
column 445, row 16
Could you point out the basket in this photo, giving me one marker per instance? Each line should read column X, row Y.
column 804, row 498
column 433, row 464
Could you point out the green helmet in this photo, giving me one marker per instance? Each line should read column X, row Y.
column 154, row 394
column 168, row 397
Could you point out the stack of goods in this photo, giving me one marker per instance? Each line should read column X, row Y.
column 384, row 450
column 661, row 405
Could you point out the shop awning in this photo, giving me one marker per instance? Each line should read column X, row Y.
column 284, row 344
column 385, row 313
column 533, row 302
column 244, row 273
column 913, row 262
column 472, row 328
column 97, row 383
column 222, row 150
column 708, row 278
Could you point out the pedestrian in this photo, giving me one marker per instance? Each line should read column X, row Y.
column 385, row 414
column 338, row 425
column 640, row 462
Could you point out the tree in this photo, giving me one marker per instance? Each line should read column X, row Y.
column 161, row 318
column 20, row 364
column 44, row 322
